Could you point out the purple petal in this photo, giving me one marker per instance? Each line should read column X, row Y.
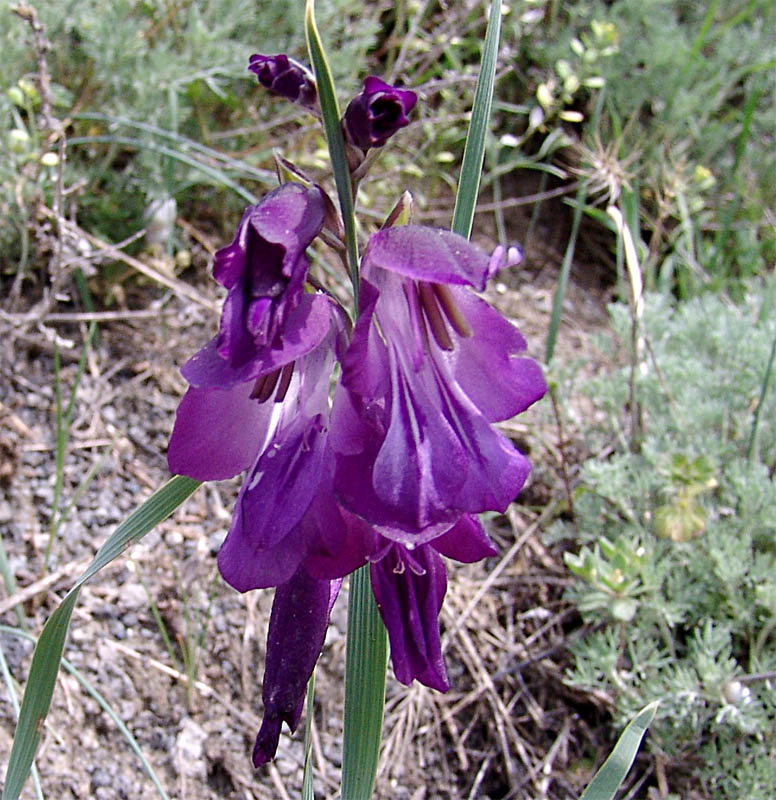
column 286, row 77
column 486, row 365
column 217, row 433
column 466, row 541
column 297, row 629
column 376, row 113
column 289, row 218
column 264, row 269
column 421, row 463
column 305, row 328
column 409, row 588
column 428, row 254
column 495, row 470
column 339, row 541
column 283, row 482
column 245, row 565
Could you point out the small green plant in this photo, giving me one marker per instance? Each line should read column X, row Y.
column 678, row 564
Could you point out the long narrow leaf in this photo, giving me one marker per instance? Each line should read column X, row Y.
column 365, row 665
column 607, row 780
column 565, row 271
column 474, row 151
column 11, row 686
column 51, row 643
column 307, row 780
column 334, row 139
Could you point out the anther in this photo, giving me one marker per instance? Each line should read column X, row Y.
column 454, row 316
column 264, row 386
column 285, row 381
column 433, row 315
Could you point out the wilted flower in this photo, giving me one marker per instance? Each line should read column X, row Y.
column 286, row 77
column 376, row 113
column 297, row 629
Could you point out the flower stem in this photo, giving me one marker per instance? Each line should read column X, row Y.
column 365, row 667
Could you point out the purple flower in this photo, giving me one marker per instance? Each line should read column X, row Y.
column 409, row 585
column 265, row 269
column 374, row 115
column 393, row 474
column 269, row 536
column 286, row 77
column 431, row 366
column 276, row 427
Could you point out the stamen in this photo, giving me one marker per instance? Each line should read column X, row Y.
column 285, row 381
column 454, row 316
column 265, row 385
column 433, row 315
column 412, row 563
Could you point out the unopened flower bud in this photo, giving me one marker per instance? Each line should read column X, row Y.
column 286, row 77
column 374, row 115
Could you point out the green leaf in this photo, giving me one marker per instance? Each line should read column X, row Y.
column 334, row 139
column 607, row 780
column 307, row 780
column 365, row 666
column 51, row 643
column 474, row 151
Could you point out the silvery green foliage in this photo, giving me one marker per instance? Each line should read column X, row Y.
column 678, row 555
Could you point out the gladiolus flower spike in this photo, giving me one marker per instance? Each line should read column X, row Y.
column 395, row 469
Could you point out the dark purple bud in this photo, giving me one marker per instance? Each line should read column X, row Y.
column 286, row 77
column 375, row 114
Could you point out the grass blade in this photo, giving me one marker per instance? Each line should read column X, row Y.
column 334, row 139
column 754, row 437
column 307, row 780
column 241, row 167
column 11, row 686
column 51, row 643
column 9, row 581
column 365, row 665
column 63, row 434
column 474, row 151
column 565, row 271
column 607, row 780
column 568, row 256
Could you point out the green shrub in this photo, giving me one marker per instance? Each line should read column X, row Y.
column 678, row 557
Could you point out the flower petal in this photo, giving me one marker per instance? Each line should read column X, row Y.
column 208, row 441
column 279, row 488
column 409, row 605
column 466, row 541
column 427, row 254
column 339, row 541
column 486, row 364
column 305, row 328
column 245, row 565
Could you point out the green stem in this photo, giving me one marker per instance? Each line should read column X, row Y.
column 754, row 438
column 565, row 270
column 365, row 667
